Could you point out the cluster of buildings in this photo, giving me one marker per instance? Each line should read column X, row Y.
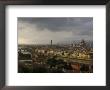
column 70, row 53
column 77, row 51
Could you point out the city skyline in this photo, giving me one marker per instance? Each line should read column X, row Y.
column 42, row 30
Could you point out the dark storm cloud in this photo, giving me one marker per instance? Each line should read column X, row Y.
column 59, row 29
column 58, row 24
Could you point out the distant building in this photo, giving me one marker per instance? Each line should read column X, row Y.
column 51, row 42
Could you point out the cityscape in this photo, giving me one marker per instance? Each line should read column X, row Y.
column 53, row 53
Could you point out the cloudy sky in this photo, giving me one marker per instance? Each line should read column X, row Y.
column 42, row 30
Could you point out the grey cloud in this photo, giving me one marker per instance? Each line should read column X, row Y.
column 32, row 28
column 56, row 24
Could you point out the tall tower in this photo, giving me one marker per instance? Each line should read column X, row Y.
column 51, row 42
